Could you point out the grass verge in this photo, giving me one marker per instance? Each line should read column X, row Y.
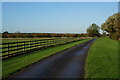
column 17, row 63
column 102, row 59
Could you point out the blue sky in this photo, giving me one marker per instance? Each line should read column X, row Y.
column 56, row 17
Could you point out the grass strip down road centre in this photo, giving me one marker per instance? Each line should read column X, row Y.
column 102, row 59
column 15, row 64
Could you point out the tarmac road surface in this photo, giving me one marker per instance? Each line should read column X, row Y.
column 65, row 64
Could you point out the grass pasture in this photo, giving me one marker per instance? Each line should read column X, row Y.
column 17, row 63
column 19, row 46
column 7, row 40
column 102, row 60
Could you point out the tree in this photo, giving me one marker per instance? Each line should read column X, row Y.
column 6, row 32
column 112, row 26
column 93, row 31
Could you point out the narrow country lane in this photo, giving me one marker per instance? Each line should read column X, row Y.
column 65, row 64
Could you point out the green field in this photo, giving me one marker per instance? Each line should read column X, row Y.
column 10, row 40
column 17, row 63
column 102, row 60
column 20, row 46
column 7, row 40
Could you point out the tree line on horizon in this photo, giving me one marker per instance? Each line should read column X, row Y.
column 38, row 35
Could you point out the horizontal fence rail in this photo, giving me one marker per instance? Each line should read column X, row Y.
column 17, row 48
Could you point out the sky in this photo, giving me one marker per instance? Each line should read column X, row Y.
column 54, row 17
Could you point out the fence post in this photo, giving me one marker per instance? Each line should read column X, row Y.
column 49, row 42
column 17, row 47
column 39, row 44
column 8, row 49
column 56, row 42
column 35, row 44
column 53, row 42
column 46, row 43
column 30, row 45
column 24, row 47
